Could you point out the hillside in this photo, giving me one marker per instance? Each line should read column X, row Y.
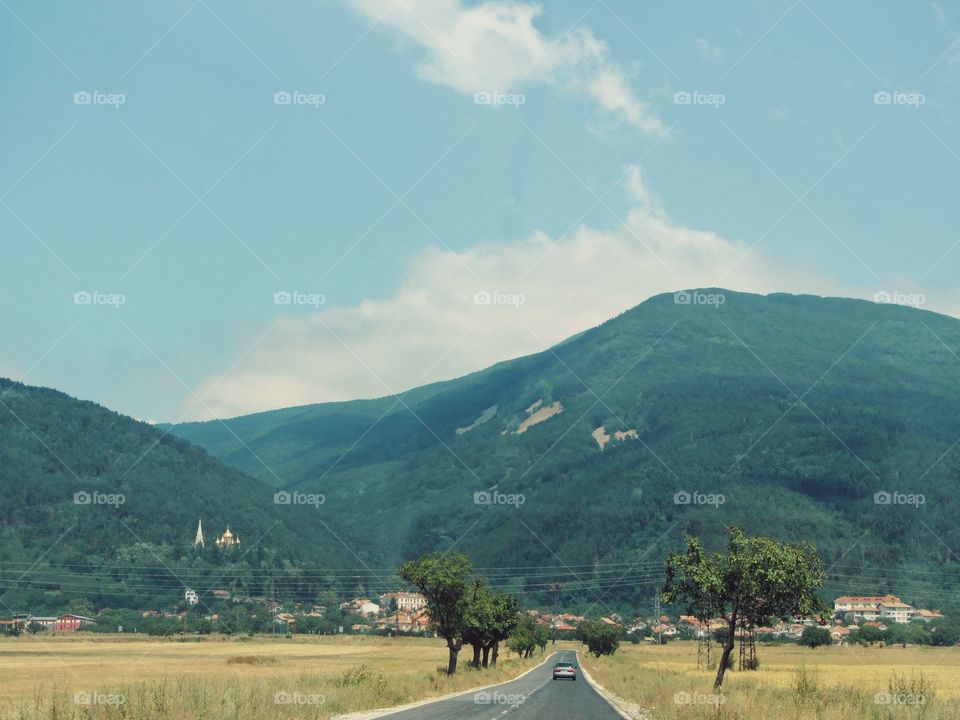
column 96, row 504
column 796, row 409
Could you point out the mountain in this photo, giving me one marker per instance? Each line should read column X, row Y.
column 806, row 418
column 98, row 505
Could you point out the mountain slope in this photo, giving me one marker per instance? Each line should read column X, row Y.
column 796, row 409
column 95, row 504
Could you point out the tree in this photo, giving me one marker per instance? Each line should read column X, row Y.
column 813, row 637
column 755, row 579
column 601, row 639
column 523, row 639
column 506, row 615
column 489, row 618
column 442, row 579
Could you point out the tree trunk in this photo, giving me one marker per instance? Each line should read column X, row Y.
column 454, row 648
column 476, row 655
column 486, row 655
column 496, row 651
column 727, row 649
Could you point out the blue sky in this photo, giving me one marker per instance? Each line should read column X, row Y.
column 186, row 192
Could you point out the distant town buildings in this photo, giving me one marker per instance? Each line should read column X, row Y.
column 873, row 608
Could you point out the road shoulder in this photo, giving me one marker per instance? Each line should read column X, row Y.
column 373, row 714
column 626, row 709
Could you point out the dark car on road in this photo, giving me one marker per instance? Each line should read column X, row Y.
column 564, row 671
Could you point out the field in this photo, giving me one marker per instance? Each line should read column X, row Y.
column 240, row 678
column 793, row 682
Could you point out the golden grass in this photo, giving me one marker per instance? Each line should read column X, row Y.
column 832, row 683
column 238, row 678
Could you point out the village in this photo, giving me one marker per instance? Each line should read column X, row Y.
column 405, row 613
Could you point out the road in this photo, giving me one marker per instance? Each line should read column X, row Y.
column 535, row 696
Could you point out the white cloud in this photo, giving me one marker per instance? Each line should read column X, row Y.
column 433, row 329
column 493, row 46
column 710, row 52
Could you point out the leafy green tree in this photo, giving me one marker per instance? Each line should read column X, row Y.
column 813, row 637
column 442, row 578
column 945, row 633
column 600, row 638
column 522, row 640
column 755, row 579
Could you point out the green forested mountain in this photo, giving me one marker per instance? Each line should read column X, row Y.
column 94, row 504
column 797, row 410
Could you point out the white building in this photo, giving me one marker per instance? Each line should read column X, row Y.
column 191, row 597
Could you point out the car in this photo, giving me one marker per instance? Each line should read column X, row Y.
column 564, row 670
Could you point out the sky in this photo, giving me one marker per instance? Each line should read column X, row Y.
column 211, row 208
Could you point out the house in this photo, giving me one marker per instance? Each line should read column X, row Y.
column 190, row 596
column 47, row 623
column 866, row 607
column 368, row 609
column 71, row 623
column 839, row 633
column 220, row 594
column 897, row 611
column 927, row 615
column 408, row 601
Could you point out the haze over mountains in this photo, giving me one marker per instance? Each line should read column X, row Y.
column 805, row 418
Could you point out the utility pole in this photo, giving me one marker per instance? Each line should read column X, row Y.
column 656, row 617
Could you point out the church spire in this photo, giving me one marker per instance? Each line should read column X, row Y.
column 199, row 540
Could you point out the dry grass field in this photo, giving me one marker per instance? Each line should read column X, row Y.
column 239, row 678
column 793, row 682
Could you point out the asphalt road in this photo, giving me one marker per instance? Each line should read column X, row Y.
column 536, row 696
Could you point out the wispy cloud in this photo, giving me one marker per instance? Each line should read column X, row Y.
column 708, row 51
column 494, row 46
